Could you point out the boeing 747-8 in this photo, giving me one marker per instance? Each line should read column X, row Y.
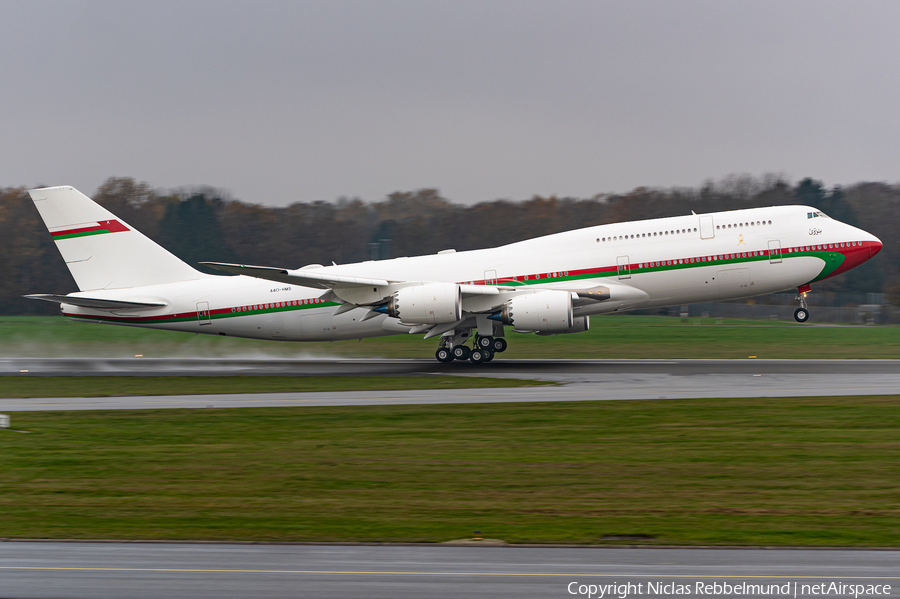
column 547, row 285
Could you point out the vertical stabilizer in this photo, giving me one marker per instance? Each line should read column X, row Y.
column 101, row 251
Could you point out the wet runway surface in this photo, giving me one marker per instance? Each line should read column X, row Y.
column 558, row 369
column 138, row 570
column 581, row 380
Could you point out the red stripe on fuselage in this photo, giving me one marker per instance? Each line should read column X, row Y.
column 854, row 255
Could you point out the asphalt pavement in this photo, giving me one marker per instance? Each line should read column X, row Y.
column 195, row 571
column 580, row 380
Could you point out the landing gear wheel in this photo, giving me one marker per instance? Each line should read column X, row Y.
column 478, row 355
column 485, row 342
column 443, row 355
column 801, row 314
column 488, row 355
column 499, row 345
column 461, row 352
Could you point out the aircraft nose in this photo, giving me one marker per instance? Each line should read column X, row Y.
column 874, row 245
column 877, row 247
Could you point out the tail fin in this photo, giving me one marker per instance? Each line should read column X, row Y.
column 101, row 251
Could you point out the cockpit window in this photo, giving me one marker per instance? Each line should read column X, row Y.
column 816, row 214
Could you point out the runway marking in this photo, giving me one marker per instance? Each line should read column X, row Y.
column 405, row 573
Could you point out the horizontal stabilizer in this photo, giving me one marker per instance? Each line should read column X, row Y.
column 297, row 277
column 92, row 302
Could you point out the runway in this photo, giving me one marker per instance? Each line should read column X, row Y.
column 580, row 380
column 137, row 570
column 199, row 570
column 556, row 369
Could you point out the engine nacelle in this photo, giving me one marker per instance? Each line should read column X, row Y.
column 544, row 312
column 579, row 325
column 431, row 303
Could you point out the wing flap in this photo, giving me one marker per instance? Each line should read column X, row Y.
column 305, row 278
column 94, row 302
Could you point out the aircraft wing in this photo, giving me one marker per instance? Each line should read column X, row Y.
column 349, row 291
column 310, row 278
column 93, row 302
column 306, row 278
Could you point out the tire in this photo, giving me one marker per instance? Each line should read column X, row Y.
column 460, row 352
column 488, row 355
column 801, row 314
column 499, row 345
column 443, row 355
column 477, row 356
column 485, row 342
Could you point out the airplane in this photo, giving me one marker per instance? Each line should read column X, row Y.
column 547, row 285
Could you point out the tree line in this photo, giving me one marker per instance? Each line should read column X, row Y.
column 207, row 225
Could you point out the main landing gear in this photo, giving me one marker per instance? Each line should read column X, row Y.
column 443, row 355
column 801, row 314
column 495, row 344
column 484, row 350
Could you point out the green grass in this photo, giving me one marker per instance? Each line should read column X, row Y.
column 105, row 386
column 609, row 337
column 803, row 471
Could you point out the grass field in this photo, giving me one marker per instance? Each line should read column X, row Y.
column 807, row 471
column 609, row 337
column 105, row 386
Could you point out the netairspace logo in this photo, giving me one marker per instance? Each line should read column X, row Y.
column 624, row 590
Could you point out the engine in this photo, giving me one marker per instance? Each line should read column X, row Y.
column 544, row 312
column 579, row 325
column 431, row 303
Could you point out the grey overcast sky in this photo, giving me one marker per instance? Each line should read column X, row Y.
column 279, row 102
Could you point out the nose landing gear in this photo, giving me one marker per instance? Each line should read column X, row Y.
column 801, row 314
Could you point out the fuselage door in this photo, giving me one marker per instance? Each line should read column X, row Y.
column 707, row 230
column 774, row 251
column 624, row 267
column 490, row 277
column 203, row 313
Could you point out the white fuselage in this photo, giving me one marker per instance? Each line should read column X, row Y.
column 651, row 263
